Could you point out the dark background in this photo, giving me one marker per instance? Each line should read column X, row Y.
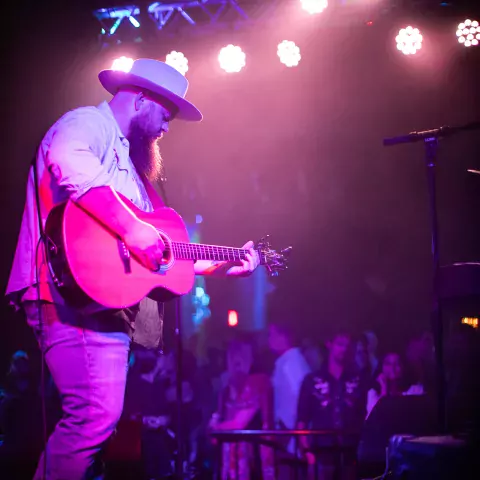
column 296, row 153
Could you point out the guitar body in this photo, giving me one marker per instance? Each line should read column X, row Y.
column 90, row 263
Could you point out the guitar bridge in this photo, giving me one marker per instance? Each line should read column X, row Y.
column 124, row 256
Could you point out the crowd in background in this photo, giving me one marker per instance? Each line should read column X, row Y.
column 252, row 382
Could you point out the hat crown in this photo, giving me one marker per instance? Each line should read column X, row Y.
column 161, row 74
column 156, row 77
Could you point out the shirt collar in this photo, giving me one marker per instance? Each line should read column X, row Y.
column 106, row 111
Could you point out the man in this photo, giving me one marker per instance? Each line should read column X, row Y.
column 289, row 372
column 332, row 398
column 87, row 156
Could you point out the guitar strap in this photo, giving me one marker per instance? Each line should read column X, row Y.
column 149, row 324
column 43, row 238
column 157, row 200
column 37, row 193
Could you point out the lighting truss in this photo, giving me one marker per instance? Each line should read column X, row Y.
column 170, row 14
column 111, row 18
column 163, row 13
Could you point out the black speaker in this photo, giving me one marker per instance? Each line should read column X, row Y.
column 432, row 458
column 393, row 415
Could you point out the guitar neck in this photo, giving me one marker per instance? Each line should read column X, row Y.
column 197, row 251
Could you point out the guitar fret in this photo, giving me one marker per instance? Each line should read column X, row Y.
column 196, row 251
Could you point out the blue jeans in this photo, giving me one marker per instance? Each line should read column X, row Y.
column 87, row 356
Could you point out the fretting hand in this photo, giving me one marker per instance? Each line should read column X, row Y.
column 247, row 266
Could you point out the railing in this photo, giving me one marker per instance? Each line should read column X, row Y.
column 339, row 442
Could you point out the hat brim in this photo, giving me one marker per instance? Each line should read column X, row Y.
column 112, row 80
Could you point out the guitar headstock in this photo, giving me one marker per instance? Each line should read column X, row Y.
column 273, row 261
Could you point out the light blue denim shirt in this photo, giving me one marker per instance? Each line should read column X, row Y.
column 84, row 149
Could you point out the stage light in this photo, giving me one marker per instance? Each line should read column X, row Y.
column 231, row 58
column 117, row 23
column 314, row 6
column 134, row 21
column 409, row 40
column 468, row 33
column 123, row 64
column 472, row 321
column 232, row 318
column 201, row 298
column 178, row 61
column 288, row 53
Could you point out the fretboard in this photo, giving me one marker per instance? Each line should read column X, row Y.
column 196, row 251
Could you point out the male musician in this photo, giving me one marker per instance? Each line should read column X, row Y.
column 87, row 156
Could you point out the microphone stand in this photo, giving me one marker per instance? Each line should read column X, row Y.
column 179, row 473
column 431, row 140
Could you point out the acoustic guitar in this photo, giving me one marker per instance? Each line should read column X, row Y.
column 89, row 263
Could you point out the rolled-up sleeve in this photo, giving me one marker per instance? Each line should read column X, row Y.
column 76, row 154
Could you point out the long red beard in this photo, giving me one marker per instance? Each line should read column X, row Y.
column 145, row 153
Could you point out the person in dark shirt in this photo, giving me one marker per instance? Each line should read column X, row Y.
column 151, row 397
column 363, row 362
column 332, row 398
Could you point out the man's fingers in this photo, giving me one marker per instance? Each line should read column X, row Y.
column 248, row 264
column 256, row 258
column 158, row 258
column 152, row 262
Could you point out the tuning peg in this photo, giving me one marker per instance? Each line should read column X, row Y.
column 264, row 241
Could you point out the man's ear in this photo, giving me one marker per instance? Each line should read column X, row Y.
column 139, row 100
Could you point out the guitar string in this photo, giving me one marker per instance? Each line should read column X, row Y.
column 208, row 252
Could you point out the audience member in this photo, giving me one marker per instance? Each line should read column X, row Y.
column 245, row 403
column 391, row 381
column 362, row 359
column 333, row 398
column 289, row 371
column 313, row 354
column 151, row 396
column 21, row 417
column 420, row 361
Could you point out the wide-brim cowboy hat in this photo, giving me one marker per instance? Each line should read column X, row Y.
column 158, row 78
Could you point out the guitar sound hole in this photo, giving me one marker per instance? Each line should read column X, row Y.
column 167, row 253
